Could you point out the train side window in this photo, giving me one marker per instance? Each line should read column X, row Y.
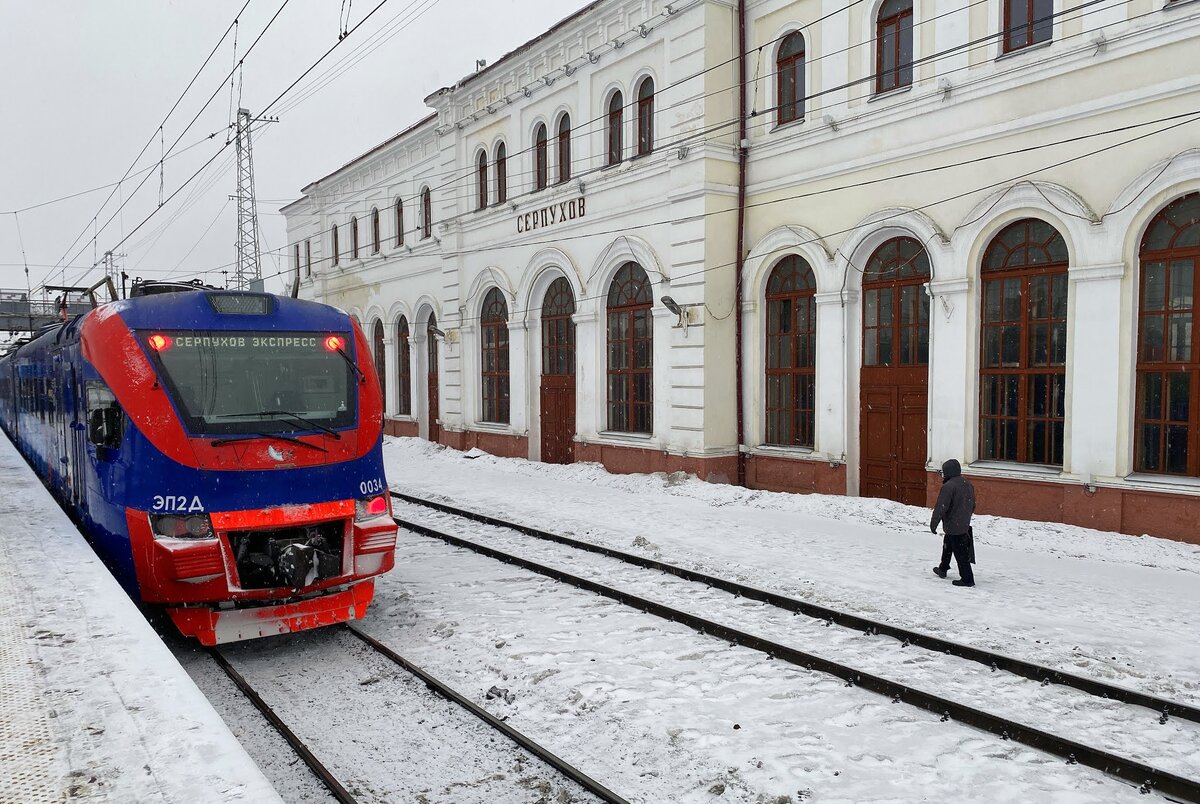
column 105, row 418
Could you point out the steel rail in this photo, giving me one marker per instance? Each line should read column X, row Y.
column 327, row 778
column 1145, row 777
column 545, row 755
column 997, row 661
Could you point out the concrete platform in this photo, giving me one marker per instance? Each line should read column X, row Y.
column 93, row 707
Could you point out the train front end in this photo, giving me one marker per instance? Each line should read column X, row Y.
column 254, row 497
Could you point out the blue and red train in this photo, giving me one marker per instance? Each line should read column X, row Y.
column 221, row 450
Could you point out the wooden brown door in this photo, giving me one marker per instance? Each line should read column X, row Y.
column 558, row 374
column 892, row 435
column 435, row 430
column 558, row 419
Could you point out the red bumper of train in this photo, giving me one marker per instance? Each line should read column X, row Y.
column 216, row 626
column 211, row 587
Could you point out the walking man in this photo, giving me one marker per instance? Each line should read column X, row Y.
column 955, row 504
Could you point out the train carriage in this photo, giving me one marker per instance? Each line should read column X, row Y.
column 221, row 450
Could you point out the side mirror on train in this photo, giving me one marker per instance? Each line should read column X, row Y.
column 104, row 427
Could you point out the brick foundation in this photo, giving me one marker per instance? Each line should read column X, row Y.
column 400, row 427
column 794, row 475
column 505, row 446
column 1134, row 511
column 632, row 460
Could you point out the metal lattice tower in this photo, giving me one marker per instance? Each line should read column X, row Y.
column 248, row 275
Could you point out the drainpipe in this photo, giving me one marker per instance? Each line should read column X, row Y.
column 740, row 262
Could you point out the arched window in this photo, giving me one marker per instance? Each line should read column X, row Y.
column 616, row 110
column 893, row 45
column 645, row 117
column 1168, row 361
column 336, row 250
column 895, row 307
column 1023, row 345
column 630, row 352
column 399, row 222
column 308, row 258
column 541, row 157
column 380, row 359
column 494, row 357
column 791, row 354
column 481, row 177
column 426, row 214
column 354, row 238
column 374, row 230
column 501, row 173
column 789, row 78
column 297, row 255
column 403, row 369
column 558, row 330
column 1027, row 22
column 564, row 148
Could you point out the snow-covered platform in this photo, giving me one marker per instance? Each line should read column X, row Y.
column 92, row 705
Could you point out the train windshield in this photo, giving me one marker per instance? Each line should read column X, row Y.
column 257, row 382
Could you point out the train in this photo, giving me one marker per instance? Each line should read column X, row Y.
column 221, row 450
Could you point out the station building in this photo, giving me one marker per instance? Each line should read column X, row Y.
column 928, row 229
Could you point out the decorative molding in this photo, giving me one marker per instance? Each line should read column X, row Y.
column 1094, row 273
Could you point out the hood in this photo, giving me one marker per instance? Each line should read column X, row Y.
column 951, row 468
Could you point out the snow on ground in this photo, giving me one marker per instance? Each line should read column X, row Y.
column 105, row 712
column 1123, row 609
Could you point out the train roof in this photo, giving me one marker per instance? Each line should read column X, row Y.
column 212, row 308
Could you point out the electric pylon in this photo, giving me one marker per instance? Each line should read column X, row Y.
column 248, row 275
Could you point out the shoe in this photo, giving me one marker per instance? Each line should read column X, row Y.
column 938, row 571
column 961, row 582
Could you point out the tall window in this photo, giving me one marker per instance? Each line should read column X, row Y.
column 380, row 359
column 789, row 78
column 403, row 369
column 1168, row 361
column 354, row 238
column 1027, row 22
column 893, row 45
column 501, row 173
column 645, row 117
column 1023, row 345
column 308, row 258
column 336, row 249
column 564, row 148
column 558, row 330
column 895, row 307
column 481, row 178
column 374, row 231
column 541, row 158
column 494, row 354
column 399, row 222
column 426, row 214
column 297, row 255
column 616, row 114
column 791, row 353
column 630, row 352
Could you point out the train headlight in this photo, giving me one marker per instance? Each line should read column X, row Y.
column 371, row 508
column 195, row 526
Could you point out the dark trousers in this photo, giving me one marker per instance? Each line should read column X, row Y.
column 957, row 546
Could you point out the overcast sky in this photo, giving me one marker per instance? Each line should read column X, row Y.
column 86, row 84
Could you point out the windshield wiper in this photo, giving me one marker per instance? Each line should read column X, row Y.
column 307, row 422
column 361, row 377
column 220, row 442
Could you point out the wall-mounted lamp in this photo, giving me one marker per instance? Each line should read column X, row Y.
column 671, row 305
column 437, row 333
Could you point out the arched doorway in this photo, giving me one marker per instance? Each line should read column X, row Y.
column 895, row 373
column 432, row 426
column 380, row 361
column 558, row 374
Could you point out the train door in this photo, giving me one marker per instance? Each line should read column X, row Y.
column 894, row 379
column 433, row 428
column 558, row 374
column 76, row 412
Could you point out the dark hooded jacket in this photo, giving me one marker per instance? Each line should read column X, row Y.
column 955, row 503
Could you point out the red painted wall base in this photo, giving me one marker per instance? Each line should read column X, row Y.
column 1154, row 513
column 794, row 475
column 399, row 427
column 631, row 460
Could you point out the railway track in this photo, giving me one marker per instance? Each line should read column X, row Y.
column 339, row 791
column 1142, row 775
